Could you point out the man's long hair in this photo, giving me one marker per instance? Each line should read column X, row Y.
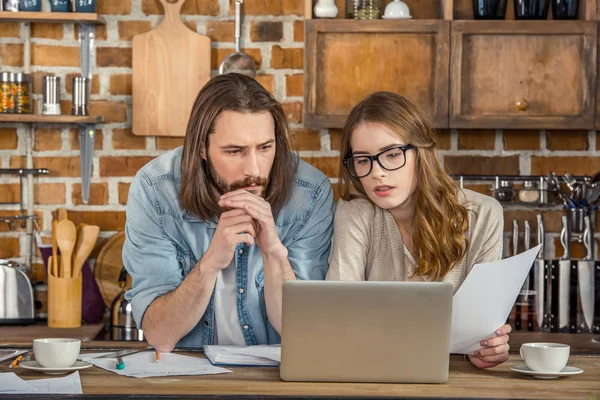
column 239, row 93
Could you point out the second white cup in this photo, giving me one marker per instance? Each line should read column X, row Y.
column 545, row 357
column 56, row 353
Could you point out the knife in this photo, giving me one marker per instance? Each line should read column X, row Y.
column 123, row 353
column 564, row 271
column 530, row 293
column 586, row 275
column 515, row 252
column 539, row 276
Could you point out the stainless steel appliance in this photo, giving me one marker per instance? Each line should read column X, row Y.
column 16, row 295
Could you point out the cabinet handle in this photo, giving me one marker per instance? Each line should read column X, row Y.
column 522, row 104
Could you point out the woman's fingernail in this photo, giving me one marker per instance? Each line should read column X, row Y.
column 484, row 343
column 499, row 332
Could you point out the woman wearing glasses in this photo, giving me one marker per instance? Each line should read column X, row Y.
column 402, row 217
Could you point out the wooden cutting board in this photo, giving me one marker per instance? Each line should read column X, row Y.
column 108, row 268
column 170, row 66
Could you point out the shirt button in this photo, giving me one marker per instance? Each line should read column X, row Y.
column 246, row 327
column 241, row 290
column 205, row 323
column 241, row 251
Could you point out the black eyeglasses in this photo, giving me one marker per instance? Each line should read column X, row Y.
column 390, row 160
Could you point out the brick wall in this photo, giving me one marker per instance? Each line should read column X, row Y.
column 273, row 35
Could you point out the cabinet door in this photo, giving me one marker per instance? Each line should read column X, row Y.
column 523, row 74
column 347, row 60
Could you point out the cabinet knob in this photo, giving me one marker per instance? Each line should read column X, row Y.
column 522, row 104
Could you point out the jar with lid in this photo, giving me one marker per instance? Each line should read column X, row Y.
column 22, row 93
column 7, row 100
column 505, row 191
column 363, row 9
column 529, row 193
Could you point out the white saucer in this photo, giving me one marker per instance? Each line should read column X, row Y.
column 384, row 17
column 547, row 375
column 33, row 365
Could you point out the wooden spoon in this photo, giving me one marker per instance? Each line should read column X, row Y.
column 53, row 268
column 86, row 239
column 62, row 214
column 66, row 236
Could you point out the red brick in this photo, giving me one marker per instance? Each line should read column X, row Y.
column 47, row 31
column 10, row 193
column 69, row 83
column 293, row 112
column 122, row 166
column 8, row 138
column 267, row 81
column 49, row 193
column 481, row 165
column 561, row 165
column 298, row 31
column 476, row 139
column 54, row 56
column 266, row 31
column 112, row 111
column 218, row 55
column 262, row 7
column 287, row 58
column 11, row 244
column 17, row 226
column 123, row 192
column 57, row 166
column 124, row 139
column 121, row 84
column 444, row 139
column 190, row 7
column 168, row 143
column 307, row 139
column 526, row 139
column 98, row 194
column 330, row 166
column 11, row 54
column 10, row 29
column 48, row 139
column 128, row 29
column 567, row 140
column 113, row 57
column 100, row 33
column 107, row 220
column 74, row 139
column 335, row 139
column 114, row 7
column 220, row 31
column 294, row 85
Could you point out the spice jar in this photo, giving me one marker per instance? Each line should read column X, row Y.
column 505, row 192
column 7, row 100
column 22, row 93
column 529, row 193
column 363, row 9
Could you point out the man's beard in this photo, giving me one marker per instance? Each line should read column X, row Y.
column 223, row 187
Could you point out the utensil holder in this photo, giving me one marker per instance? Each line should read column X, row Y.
column 64, row 300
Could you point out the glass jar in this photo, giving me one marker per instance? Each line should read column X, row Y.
column 363, row 9
column 7, row 100
column 22, row 93
column 529, row 193
column 505, row 191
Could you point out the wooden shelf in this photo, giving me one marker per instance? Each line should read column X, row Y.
column 50, row 119
column 51, row 17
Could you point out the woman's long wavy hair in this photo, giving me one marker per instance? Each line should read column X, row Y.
column 440, row 221
column 240, row 93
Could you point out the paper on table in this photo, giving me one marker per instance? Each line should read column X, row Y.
column 10, row 353
column 11, row 383
column 260, row 355
column 88, row 356
column 70, row 384
column 144, row 365
column 483, row 302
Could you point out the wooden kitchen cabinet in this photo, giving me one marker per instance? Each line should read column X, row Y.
column 346, row 60
column 523, row 74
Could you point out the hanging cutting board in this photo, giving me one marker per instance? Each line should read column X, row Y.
column 170, row 66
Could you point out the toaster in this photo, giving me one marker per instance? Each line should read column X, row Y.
column 16, row 295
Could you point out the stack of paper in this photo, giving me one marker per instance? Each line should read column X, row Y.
column 262, row 355
column 12, row 384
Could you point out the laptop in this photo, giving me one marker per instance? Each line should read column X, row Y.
column 349, row 331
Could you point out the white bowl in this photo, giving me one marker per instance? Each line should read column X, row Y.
column 397, row 9
column 56, row 353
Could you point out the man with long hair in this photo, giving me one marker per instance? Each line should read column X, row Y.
column 215, row 227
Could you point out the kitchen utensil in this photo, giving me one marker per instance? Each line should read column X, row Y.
column 529, row 286
column 238, row 62
column 86, row 149
column 565, row 9
column 53, row 267
column 489, row 9
column 515, row 238
column 64, row 298
column 16, row 296
column 531, row 9
column 81, row 98
column 86, row 239
column 62, row 214
column 586, row 276
column 66, row 236
column 564, row 272
column 51, row 95
column 539, row 277
column 170, row 66
column 108, row 268
column 122, row 323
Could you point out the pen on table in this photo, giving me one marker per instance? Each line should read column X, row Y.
column 16, row 362
column 157, row 356
column 120, row 363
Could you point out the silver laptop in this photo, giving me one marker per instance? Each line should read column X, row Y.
column 341, row 331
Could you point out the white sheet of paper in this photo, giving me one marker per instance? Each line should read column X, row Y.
column 11, row 383
column 70, row 384
column 88, row 356
column 272, row 352
column 483, row 302
column 7, row 354
column 144, row 365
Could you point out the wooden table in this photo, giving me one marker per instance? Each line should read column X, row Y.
column 24, row 335
column 465, row 381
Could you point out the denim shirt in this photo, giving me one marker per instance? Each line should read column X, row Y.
column 163, row 243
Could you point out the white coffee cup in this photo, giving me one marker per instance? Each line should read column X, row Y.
column 545, row 357
column 56, row 353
